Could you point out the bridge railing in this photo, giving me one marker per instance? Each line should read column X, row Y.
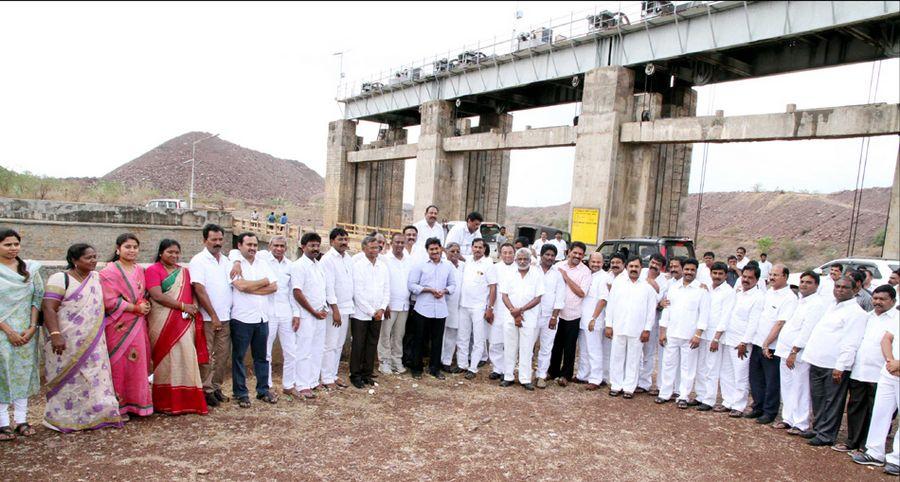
column 292, row 232
column 361, row 230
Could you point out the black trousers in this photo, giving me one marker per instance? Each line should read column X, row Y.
column 564, row 344
column 363, row 347
column 423, row 328
column 252, row 336
column 859, row 412
column 765, row 382
column 406, row 359
column 828, row 399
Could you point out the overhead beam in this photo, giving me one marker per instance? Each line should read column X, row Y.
column 528, row 139
column 828, row 123
column 393, row 153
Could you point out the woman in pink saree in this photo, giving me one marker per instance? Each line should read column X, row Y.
column 126, row 328
column 80, row 394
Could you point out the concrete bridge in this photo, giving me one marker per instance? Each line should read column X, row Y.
column 633, row 138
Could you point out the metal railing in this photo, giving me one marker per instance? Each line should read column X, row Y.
column 293, row 232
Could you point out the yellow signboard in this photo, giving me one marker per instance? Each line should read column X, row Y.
column 584, row 225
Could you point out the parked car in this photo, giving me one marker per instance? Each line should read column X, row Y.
column 668, row 246
column 489, row 232
column 533, row 232
column 167, row 204
column 880, row 269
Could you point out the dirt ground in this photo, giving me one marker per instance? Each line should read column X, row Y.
column 431, row 430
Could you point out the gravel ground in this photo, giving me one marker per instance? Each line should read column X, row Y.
column 431, row 430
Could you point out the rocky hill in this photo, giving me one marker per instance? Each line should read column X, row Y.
column 223, row 169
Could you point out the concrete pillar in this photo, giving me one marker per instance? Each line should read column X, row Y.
column 433, row 164
column 891, row 248
column 379, row 185
column 643, row 182
column 486, row 174
column 600, row 159
column 681, row 101
column 339, row 174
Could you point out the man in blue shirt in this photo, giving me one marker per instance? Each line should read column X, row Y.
column 430, row 281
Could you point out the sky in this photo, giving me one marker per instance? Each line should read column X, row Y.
column 90, row 86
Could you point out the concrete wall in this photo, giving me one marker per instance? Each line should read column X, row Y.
column 892, row 231
column 40, row 210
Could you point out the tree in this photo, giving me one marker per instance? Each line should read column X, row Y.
column 764, row 244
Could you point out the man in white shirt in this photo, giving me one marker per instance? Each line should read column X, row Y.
column 738, row 332
column 431, row 282
column 794, row 372
column 830, row 352
column 429, row 227
column 478, row 293
column 629, row 318
column 393, row 328
column 655, row 277
column 209, row 277
column 309, row 289
column 464, row 233
column 551, row 304
column 709, row 359
column 887, row 402
column 703, row 271
column 505, row 267
column 538, row 244
column 371, row 299
column 765, row 267
column 249, row 321
column 680, row 328
column 451, row 326
column 337, row 265
column 521, row 293
column 826, row 286
column 742, row 258
column 561, row 246
column 765, row 374
column 283, row 309
column 867, row 369
column 414, row 252
column 590, row 327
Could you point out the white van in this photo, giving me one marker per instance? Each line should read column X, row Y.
column 167, row 204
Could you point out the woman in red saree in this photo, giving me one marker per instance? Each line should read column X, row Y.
column 177, row 342
column 126, row 328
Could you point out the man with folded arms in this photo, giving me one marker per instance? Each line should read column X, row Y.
column 629, row 319
column 431, row 282
column 830, row 352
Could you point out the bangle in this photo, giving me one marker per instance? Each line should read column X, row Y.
column 55, row 333
column 182, row 305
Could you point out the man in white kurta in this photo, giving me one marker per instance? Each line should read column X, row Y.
column 587, row 311
column 659, row 281
column 561, row 246
column 630, row 315
column 552, row 302
column 337, row 265
column 709, row 358
column 591, row 325
column 308, row 285
column 680, row 328
column 736, row 332
column 521, row 293
column 371, row 301
column 465, row 233
column 428, row 227
column 451, row 326
column 505, row 267
column 390, row 342
column 795, row 400
column 478, row 292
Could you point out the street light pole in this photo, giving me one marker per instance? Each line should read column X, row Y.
column 192, row 161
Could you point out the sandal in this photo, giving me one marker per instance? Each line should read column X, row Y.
column 25, row 429
column 268, row 397
column 7, row 434
column 244, row 402
column 682, row 404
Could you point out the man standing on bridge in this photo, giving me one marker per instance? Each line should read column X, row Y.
column 429, row 227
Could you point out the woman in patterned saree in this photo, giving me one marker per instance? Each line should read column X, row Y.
column 177, row 342
column 80, row 392
column 21, row 291
column 126, row 327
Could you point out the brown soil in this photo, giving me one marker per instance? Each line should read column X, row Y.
column 432, row 430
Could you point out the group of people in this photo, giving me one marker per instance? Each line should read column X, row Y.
column 705, row 327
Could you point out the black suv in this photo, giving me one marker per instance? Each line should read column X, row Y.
column 668, row 246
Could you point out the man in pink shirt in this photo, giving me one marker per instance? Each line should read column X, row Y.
column 577, row 278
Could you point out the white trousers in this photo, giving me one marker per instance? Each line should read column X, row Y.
column 471, row 325
column 626, row 353
column 709, row 365
column 649, row 360
column 678, row 358
column 449, row 345
column 796, row 404
column 607, row 353
column 287, row 338
column 390, row 340
column 546, row 336
column 593, row 340
column 335, row 336
column 734, row 378
column 583, row 369
column 497, row 355
column 20, row 411
column 887, row 399
column 310, row 347
column 518, row 343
